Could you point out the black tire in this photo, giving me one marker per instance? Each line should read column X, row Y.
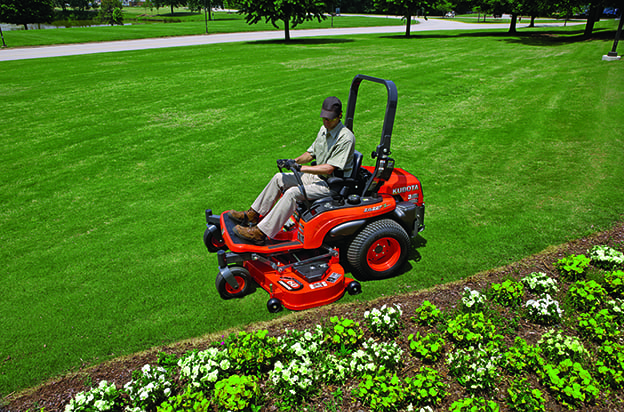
column 379, row 250
column 354, row 288
column 274, row 305
column 213, row 240
column 246, row 284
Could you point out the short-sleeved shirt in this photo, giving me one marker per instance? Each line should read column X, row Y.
column 334, row 148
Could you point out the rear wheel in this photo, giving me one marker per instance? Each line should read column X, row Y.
column 379, row 250
column 244, row 280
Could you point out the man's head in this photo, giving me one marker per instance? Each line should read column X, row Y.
column 332, row 108
column 331, row 112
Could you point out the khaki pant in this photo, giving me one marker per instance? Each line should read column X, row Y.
column 276, row 216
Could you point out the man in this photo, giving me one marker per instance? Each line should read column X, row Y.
column 332, row 150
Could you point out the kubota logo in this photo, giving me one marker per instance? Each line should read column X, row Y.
column 405, row 189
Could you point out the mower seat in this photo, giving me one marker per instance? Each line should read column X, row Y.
column 341, row 187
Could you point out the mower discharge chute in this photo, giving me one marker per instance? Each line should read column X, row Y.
column 366, row 223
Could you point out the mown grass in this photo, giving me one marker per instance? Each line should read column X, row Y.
column 108, row 162
column 189, row 24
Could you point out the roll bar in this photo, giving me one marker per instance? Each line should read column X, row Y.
column 385, row 164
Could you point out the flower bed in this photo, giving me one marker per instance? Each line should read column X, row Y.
column 442, row 350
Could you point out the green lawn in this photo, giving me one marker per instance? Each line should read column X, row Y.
column 108, row 162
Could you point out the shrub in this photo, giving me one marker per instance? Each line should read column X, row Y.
column 343, row 332
column 149, row 387
column 571, row 384
column 429, row 348
column 386, row 321
column 475, row 367
column 598, row 326
column 104, row 397
column 294, row 381
column 477, row 404
column 615, row 282
column 471, row 328
column 522, row 398
column 557, row 347
column 572, row 267
column 606, row 257
column 539, row 283
column 543, row 310
column 237, row 392
column 202, row 369
column 521, row 357
column 427, row 314
column 252, row 353
column 472, row 300
column 586, row 295
column 508, row 293
column 190, row 400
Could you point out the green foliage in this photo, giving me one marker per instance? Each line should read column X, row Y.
column 508, row 293
column 476, row 367
column 429, row 348
column 521, row 357
column 343, row 332
column 385, row 391
column 573, row 267
column 110, row 12
column 293, row 382
column 522, row 398
column 586, row 295
column 599, row 326
column 252, row 353
column 237, row 393
column 471, row 328
column 570, row 382
column 556, row 347
column 427, row 314
column 426, row 388
column 477, row 404
column 615, row 282
column 188, row 401
column 202, row 369
column 610, row 365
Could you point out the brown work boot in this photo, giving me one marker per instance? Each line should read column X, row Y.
column 248, row 217
column 250, row 233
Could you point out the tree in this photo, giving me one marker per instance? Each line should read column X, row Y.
column 110, row 12
column 173, row 3
column 26, row 12
column 407, row 9
column 289, row 12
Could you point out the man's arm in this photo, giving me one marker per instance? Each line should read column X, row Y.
column 325, row 169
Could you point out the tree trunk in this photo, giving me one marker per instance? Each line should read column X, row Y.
column 286, row 28
column 25, row 26
column 512, row 25
column 532, row 21
column 172, row 9
column 408, row 26
column 592, row 18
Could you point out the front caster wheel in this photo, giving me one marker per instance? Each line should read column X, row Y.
column 274, row 305
column 354, row 288
column 244, row 280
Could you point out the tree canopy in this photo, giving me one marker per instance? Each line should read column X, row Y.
column 26, row 11
column 290, row 12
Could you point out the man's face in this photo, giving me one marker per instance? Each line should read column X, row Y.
column 330, row 123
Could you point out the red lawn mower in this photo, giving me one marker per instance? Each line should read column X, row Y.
column 365, row 224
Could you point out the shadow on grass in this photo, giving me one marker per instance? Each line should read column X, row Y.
column 308, row 41
column 534, row 38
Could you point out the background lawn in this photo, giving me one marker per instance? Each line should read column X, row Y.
column 108, row 162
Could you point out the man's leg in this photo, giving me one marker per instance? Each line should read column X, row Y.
column 315, row 188
column 266, row 199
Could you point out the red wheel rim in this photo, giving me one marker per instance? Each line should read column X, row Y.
column 216, row 243
column 241, row 285
column 383, row 254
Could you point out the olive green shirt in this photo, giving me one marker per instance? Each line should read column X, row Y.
column 335, row 148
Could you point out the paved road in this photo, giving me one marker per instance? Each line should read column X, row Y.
column 143, row 44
